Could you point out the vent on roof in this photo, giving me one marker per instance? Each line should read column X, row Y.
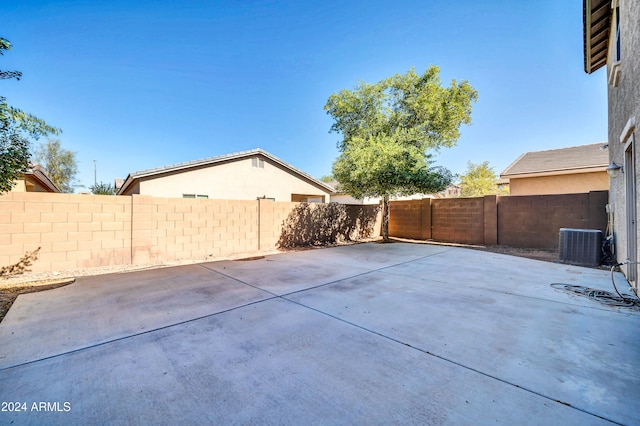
column 580, row 247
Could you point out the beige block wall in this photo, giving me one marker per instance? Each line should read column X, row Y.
column 197, row 229
column 272, row 218
column 72, row 230
column 77, row 231
column 560, row 184
column 237, row 180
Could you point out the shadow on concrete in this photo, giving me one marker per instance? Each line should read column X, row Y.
column 321, row 224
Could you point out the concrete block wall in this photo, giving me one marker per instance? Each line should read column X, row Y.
column 199, row 229
column 458, row 220
column 410, row 219
column 531, row 221
column 78, row 231
column 321, row 224
column 272, row 218
column 73, row 231
column 534, row 221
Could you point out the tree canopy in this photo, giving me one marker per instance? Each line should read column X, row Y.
column 479, row 180
column 389, row 129
column 16, row 127
column 102, row 188
column 59, row 163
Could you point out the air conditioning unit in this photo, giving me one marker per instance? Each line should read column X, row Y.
column 580, row 247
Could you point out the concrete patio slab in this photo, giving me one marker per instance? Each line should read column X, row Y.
column 372, row 256
column 581, row 356
column 507, row 274
column 273, row 362
column 363, row 334
column 281, row 274
column 107, row 307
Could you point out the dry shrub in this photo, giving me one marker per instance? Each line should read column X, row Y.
column 22, row 265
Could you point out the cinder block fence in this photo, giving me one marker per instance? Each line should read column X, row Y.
column 531, row 221
column 82, row 231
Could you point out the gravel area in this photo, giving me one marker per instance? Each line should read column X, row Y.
column 35, row 278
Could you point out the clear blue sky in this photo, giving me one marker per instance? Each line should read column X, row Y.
column 139, row 84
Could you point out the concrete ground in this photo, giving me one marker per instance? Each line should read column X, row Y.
column 363, row 334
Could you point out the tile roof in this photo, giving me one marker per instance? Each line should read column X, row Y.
column 562, row 159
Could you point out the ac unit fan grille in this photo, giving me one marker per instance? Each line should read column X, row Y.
column 580, row 247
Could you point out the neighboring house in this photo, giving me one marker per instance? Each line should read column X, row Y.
column 502, row 185
column 452, row 191
column 246, row 175
column 35, row 180
column 559, row 171
column 612, row 38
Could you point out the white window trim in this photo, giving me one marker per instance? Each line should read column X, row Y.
column 614, row 74
column 615, row 70
column 629, row 128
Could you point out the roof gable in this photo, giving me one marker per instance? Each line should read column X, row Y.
column 221, row 159
column 37, row 172
column 559, row 160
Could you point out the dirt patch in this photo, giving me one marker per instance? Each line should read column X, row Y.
column 538, row 254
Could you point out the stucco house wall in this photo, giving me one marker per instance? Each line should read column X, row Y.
column 568, row 170
column 35, row 180
column 245, row 176
column 624, row 110
column 560, row 184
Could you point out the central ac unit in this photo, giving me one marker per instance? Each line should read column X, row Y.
column 580, row 247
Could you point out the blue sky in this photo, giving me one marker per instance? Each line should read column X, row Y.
column 142, row 84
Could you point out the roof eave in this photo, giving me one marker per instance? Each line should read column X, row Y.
column 221, row 159
column 595, row 18
column 541, row 173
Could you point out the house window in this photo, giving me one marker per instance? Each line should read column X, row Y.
column 617, row 12
column 614, row 72
column 194, row 196
column 257, row 162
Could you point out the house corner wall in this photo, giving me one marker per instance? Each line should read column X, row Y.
column 624, row 103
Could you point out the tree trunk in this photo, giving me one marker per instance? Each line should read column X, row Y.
column 385, row 218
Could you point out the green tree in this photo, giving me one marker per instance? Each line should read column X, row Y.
column 103, row 189
column 389, row 129
column 479, row 180
column 16, row 127
column 59, row 163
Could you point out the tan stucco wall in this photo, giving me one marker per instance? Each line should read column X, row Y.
column 237, row 180
column 19, row 186
column 559, row 184
column 28, row 184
